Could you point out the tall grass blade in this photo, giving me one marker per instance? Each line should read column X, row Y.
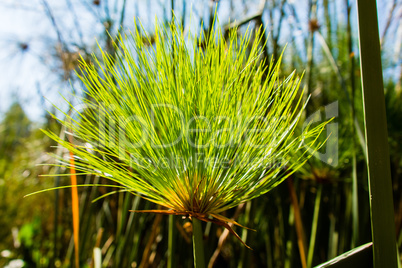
column 357, row 257
column 313, row 235
column 379, row 174
column 355, row 202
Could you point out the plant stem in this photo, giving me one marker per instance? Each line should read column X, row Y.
column 198, row 244
column 171, row 242
column 298, row 223
column 313, row 235
column 380, row 187
column 355, row 200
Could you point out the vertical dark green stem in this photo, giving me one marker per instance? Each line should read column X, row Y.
column 328, row 23
column 382, row 209
column 245, row 251
column 172, row 9
column 170, row 263
column 198, row 244
column 56, row 215
column 301, row 240
column 355, row 204
column 313, row 235
column 183, row 18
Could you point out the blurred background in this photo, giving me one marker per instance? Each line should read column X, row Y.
column 319, row 213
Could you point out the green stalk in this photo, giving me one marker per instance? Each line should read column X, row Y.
column 123, row 210
column 355, row 203
column 55, row 219
column 379, row 174
column 313, row 235
column 288, row 245
column 333, row 232
column 198, row 247
column 298, row 223
column 244, row 251
column 170, row 262
column 355, row 197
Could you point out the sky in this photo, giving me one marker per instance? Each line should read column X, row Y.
column 28, row 40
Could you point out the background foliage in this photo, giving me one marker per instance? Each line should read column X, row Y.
column 317, row 214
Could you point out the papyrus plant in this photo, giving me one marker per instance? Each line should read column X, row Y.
column 196, row 125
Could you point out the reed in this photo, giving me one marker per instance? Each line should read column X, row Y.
column 189, row 124
column 379, row 173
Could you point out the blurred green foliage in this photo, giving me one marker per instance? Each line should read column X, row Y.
column 314, row 213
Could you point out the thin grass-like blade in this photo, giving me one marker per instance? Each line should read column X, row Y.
column 380, row 188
